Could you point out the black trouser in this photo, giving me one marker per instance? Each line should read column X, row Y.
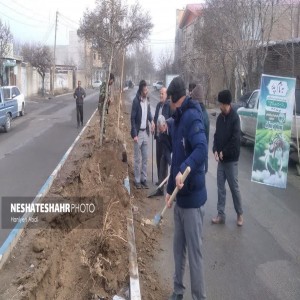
column 158, row 157
column 79, row 109
column 163, row 168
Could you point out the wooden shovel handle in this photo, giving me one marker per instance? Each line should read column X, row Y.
column 176, row 190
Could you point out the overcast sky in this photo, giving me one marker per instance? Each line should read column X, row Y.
column 34, row 20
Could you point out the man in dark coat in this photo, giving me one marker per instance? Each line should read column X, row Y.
column 162, row 108
column 79, row 95
column 226, row 150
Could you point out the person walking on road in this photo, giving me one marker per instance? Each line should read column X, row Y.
column 79, row 95
column 189, row 148
column 226, row 149
column 162, row 108
column 197, row 94
column 140, row 118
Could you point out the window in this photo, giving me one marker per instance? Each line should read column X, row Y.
column 6, row 94
column 15, row 91
column 252, row 100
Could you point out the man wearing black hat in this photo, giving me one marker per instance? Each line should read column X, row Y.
column 189, row 150
column 226, row 149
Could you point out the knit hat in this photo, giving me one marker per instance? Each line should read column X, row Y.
column 197, row 93
column 176, row 89
column 225, row 97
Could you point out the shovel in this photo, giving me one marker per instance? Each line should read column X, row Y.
column 155, row 192
column 158, row 217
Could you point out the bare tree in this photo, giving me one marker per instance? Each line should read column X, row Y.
column 5, row 40
column 111, row 26
column 234, row 38
column 40, row 57
column 165, row 62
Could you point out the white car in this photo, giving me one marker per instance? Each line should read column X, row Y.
column 158, row 85
column 96, row 83
column 248, row 120
column 13, row 92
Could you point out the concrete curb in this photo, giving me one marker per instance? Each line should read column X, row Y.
column 12, row 239
column 135, row 292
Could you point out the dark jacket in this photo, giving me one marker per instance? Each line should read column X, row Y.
column 136, row 116
column 166, row 112
column 79, row 94
column 206, row 128
column 189, row 147
column 227, row 136
column 166, row 141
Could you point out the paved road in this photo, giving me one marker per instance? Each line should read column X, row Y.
column 36, row 143
column 259, row 261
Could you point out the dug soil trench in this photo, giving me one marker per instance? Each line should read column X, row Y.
column 85, row 255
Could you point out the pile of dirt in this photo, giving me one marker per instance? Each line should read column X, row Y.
column 85, row 256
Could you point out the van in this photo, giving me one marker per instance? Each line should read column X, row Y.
column 8, row 110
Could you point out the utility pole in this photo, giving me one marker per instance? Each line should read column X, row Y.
column 54, row 52
column 297, row 21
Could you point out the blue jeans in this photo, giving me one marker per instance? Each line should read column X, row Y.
column 228, row 171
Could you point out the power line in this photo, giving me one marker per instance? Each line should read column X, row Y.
column 22, row 14
column 67, row 23
column 47, row 35
column 24, row 7
column 70, row 20
column 18, row 21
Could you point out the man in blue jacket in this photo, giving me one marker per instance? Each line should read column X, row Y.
column 189, row 147
column 140, row 118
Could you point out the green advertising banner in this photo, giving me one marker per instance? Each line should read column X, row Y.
column 273, row 130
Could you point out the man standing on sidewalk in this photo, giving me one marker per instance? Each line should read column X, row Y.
column 79, row 95
column 226, row 149
column 140, row 118
column 162, row 108
column 189, row 147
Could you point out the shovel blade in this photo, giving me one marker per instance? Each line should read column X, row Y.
column 157, row 219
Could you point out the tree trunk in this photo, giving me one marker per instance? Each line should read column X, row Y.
column 43, row 85
column 106, row 96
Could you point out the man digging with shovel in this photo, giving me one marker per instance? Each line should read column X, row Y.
column 189, row 147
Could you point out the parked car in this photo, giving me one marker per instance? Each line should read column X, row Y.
column 158, row 85
column 8, row 110
column 96, row 83
column 13, row 92
column 248, row 119
column 242, row 102
column 129, row 84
